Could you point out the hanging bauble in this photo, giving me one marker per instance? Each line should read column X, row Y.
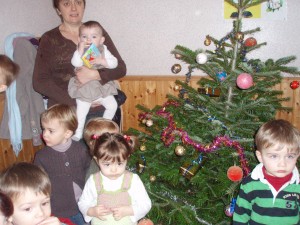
column 201, row 58
column 207, row 41
column 149, row 123
column 228, row 211
column 221, row 76
column 180, row 150
column 143, row 148
column 294, row 84
column 235, row 173
column 189, row 169
column 239, row 36
column 152, row 178
column 176, row 87
column 250, row 42
column 145, row 222
column 140, row 166
column 176, row 68
column 178, row 56
column 244, row 81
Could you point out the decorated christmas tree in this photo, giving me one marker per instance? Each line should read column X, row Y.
column 199, row 145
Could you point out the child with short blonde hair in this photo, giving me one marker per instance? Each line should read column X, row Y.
column 29, row 189
column 8, row 72
column 113, row 195
column 270, row 195
column 66, row 161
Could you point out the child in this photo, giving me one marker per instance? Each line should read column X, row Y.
column 8, row 72
column 94, row 128
column 6, row 209
column 270, row 195
column 65, row 161
column 113, row 195
column 29, row 189
column 93, row 92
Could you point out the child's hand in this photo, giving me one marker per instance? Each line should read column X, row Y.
column 100, row 60
column 50, row 221
column 122, row 211
column 81, row 46
column 98, row 211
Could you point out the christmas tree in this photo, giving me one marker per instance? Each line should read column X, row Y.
column 199, row 144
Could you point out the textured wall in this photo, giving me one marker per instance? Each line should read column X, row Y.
column 146, row 31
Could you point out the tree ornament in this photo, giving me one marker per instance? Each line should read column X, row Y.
column 176, row 68
column 239, row 36
column 235, row 173
column 145, row 221
column 178, row 56
column 180, row 150
column 207, row 41
column 250, row 42
column 229, row 210
column 176, row 87
column 201, row 58
column 149, row 123
column 143, row 148
column 294, row 84
column 141, row 164
column 144, row 121
column 189, row 169
column 244, row 81
column 152, row 178
column 221, row 76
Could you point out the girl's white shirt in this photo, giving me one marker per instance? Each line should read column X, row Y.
column 140, row 200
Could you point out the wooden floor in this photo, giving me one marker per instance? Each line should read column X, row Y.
column 148, row 91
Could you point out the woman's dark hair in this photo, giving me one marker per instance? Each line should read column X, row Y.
column 56, row 3
column 6, row 206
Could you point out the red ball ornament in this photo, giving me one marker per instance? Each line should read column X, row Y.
column 244, row 81
column 294, row 84
column 228, row 211
column 235, row 173
column 145, row 222
column 250, row 42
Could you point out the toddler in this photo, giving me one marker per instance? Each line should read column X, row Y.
column 113, row 195
column 65, row 161
column 93, row 129
column 271, row 194
column 8, row 72
column 29, row 189
column 94, row 91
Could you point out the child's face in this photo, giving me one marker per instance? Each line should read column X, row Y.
column 278, row 163
column 112, row 170
column 55, row 133
column 31, row 208
column 91, row 35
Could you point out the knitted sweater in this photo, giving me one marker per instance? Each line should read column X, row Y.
column 259, row 203
column 53, row 68
column 64, row 169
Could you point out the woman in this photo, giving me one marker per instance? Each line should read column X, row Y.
column 53, row 68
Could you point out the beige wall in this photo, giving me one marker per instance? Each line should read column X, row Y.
column 146, row 31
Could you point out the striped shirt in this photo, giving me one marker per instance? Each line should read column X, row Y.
column 259, row 203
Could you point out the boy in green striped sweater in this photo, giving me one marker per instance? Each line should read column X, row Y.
column 270, row 195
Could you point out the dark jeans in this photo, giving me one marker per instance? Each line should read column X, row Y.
column 77, row 219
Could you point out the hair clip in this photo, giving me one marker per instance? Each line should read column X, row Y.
column 95, row 137
column 127, row 138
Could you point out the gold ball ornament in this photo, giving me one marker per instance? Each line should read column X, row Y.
column 176, row 87
column 152, row 178
column 239, row 36
column 143, row 148
column 180, row 150
column 207, row 40
column 176, row 68
column 178, row 56
column 149, row 123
